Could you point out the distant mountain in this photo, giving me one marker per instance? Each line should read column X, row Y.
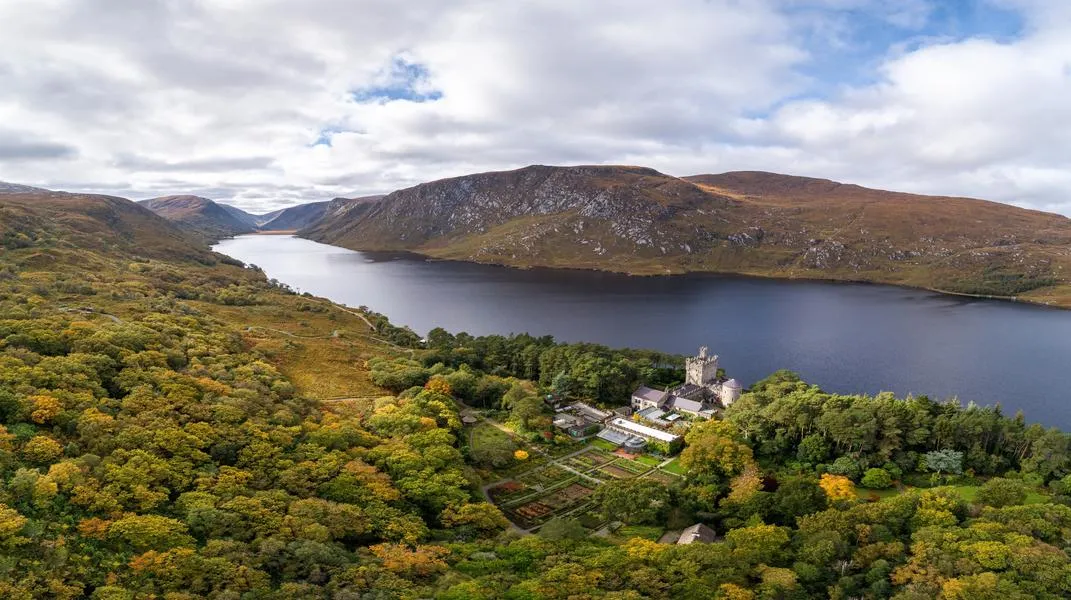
column 248, row 218
column 210, row 220
column 295, row 217
column 637, row 220
column 15, row 188
column 59, row 222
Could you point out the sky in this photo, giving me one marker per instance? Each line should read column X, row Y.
column 270, row 103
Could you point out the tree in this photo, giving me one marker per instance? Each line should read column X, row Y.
column 758, row 543
column 999, row 492
column 439, row 385
column 560, row 528
column 42, row 449
column 150, row 532
column 494, row 451
column 632, row 501
column 944, row 461
column 797, row 497
column 714, row 450
column 846, row 466
column 876, row 479
column 837, row 488
column 563, row 385
column 814, row 449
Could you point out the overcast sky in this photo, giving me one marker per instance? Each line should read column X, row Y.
column 267, row 103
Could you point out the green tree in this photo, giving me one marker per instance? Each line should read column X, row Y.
column 797, row 497
column 560, row 528
column 876, row 479
column 999, row 492
column 632, row 501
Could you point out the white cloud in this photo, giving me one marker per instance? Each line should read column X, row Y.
column 228, row 98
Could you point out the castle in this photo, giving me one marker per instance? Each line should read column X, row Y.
column 701, row 394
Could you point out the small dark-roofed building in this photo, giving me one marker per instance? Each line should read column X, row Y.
column 697, row 533
column 623, row 411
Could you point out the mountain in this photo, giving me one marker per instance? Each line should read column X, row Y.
column 15, row 188
column 58, row 223
column 295, row 217
column 248, row 218
column 210, row 220
column 637, row 220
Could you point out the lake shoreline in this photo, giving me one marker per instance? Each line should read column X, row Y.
column 1019, row 300
column 855, row 338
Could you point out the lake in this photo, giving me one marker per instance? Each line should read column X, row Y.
column 847, row 338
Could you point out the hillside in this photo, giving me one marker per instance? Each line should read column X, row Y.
column 174, row 425
column 640, row 221
column 58, row 223
column 15, row 188
column 294, row 217
column 208, row 219
column 249, row 219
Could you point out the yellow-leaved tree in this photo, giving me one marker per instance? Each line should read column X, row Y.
column 838, row 488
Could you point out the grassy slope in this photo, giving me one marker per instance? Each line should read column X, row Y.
column 113, row 245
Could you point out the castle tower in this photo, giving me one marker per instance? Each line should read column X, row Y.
column 701, row 370
column 730, row 392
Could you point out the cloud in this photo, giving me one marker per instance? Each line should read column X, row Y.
column 15, row 147
column 268, row 102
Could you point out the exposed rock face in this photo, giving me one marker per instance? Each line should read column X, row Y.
column 598, row 207
column 638, row 220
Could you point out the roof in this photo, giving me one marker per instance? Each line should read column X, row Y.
column 614, row 437
column 649, row 394
column 687, row 405
column 643, row 430
column 651, row 413
column 733, row 384
column 689, row 390
column 697, row 533
column 590, row 411
column 567, row 420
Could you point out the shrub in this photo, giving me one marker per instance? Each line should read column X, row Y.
column 876, row 479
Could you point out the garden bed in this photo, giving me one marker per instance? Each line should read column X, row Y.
column 662, row 477
column 617, row 472
column 567, row 496
column 545, row 476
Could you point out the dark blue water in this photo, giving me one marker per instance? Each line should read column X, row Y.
column 845, row 337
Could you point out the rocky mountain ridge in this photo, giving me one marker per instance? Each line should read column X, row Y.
column 637, row 220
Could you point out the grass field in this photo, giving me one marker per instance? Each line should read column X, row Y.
column 647, row 532
column 648, row 460
column 483, row 432
column 322, row 353
column 969, row 493
column 603, row 445
column 674, row 467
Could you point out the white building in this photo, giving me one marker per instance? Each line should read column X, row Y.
column 700, row 395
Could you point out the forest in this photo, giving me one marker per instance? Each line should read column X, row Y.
column 149, row 448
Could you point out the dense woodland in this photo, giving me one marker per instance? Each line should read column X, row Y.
column 148, row 450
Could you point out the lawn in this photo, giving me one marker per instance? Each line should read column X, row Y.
column 483, row 432
column 647, row 532
column 603, row 445
column 648, row 460
column 674, row 467
column 969, row 493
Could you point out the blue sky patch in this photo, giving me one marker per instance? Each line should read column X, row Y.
column 404, row 80
column 848, row 46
